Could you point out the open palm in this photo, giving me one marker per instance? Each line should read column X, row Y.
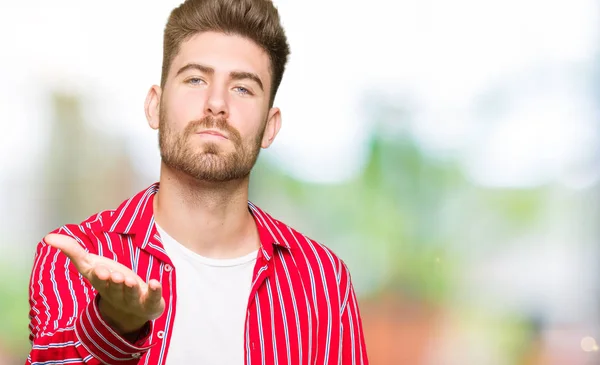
column 123, row 290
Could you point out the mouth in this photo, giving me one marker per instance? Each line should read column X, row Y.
column 212, row 133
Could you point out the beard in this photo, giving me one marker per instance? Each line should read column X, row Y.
column 206, row 161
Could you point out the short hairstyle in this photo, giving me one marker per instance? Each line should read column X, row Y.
column 256, row 20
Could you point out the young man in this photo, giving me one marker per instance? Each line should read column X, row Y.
column 188, row 271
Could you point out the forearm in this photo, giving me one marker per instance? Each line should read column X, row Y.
column 59, row 345
column 65, row 319
column 89, row 341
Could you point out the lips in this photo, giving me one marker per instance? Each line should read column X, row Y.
column 213, row 133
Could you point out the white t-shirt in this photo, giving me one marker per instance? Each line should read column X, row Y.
column 212, row 296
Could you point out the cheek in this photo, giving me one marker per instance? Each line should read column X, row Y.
column 247, row 118
column 184, row 108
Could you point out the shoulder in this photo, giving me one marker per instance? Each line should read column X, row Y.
column 315, row 257
column 120, row 220
column 84, row 231
column 319, row 267
column 313, row 248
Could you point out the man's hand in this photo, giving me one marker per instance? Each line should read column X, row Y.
column 126, row 301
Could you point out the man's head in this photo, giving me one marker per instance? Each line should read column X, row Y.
column 223, row 62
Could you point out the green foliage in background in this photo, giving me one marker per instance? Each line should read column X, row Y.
column 14, row 307
column 386, row 220
column 406, row 222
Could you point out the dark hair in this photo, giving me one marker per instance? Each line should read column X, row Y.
column 257, row 20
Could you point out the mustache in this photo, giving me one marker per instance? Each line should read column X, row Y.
column 220, row 124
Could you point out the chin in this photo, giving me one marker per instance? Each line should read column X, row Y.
column 212, row 149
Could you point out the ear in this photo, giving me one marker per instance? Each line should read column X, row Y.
column 272, row 127
column 152, row 106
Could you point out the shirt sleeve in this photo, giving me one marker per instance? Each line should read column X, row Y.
column 65, row 325
column 353, row 349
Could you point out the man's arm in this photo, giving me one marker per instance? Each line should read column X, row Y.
column 65, row 322
column 353, row 347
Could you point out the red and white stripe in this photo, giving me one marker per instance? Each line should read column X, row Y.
column 302, row 307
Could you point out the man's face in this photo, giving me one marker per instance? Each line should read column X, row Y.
column 214, row 109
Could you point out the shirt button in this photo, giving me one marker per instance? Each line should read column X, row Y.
column 160, row 334
column 137, row 355
column 168, row 268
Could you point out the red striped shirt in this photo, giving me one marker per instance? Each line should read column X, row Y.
column 302, row 307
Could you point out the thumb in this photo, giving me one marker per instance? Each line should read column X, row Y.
column 71, row 248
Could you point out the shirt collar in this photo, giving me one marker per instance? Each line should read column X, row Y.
column 135, row 216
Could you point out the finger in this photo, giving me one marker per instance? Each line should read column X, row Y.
column 154, row 303
column 69, row 247
column 117, row 277
column 116, row 286
column 114, row 292
column 154, row 294
column 131, row 290
column 130, row 281
column 99, row 278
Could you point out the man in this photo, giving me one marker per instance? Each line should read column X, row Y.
column 188, row 271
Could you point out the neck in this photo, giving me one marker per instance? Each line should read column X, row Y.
column 211, row 219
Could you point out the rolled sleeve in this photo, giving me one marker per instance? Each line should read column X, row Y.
column 103, row 343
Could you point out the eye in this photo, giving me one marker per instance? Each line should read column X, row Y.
column 194, row 81
column 242, row 90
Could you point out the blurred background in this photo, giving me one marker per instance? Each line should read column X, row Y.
column 448, row 151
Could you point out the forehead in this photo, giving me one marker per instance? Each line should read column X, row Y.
column 224, row 53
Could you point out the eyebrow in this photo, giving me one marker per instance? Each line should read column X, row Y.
column 234, row 75
column 196, row 66
column 241, row 75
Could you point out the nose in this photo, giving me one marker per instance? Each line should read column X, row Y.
column 216, row 103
